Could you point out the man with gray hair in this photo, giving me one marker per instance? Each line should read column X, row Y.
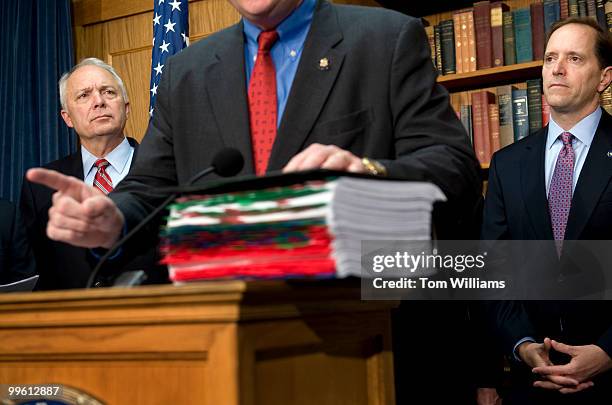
column 95, row 103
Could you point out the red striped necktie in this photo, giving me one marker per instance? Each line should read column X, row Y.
column 102, row 180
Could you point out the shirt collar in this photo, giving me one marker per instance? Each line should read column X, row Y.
column 292, row 30
column 583, row 131
column 117, row 158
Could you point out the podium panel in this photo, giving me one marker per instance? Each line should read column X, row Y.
column 230, row 342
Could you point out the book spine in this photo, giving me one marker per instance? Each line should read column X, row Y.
column 606, row 99
column 479, row 115
column 506, row 129
column 551, row 14
column 608, row 10
column 537, row 30
column 497, row 33
column 483, row 27
column 466, row 100
column 429, row 31
column 600, row 11
column 509, row 46
column 522, row 35
column 563, row 9
column 465, row 116
column 494, row 126
column 520, row 114
column 582, row 8
column 471, row 40
column 455, row 100
column 534, row 101
column 447, row 41
column 438, row 49
column 573, row 8
column 459, row 45
column 591, row 8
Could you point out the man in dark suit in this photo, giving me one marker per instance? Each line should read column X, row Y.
column 347, row 83
column 16, row 260
column 94, row 103
column 364, row 85
column 555, row 185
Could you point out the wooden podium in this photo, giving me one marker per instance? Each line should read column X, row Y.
column 217, row 343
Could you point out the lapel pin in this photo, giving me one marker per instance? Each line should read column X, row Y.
column 610, row 154
column 324, row 64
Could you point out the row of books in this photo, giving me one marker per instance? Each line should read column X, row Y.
column 489, row 34
column 496, row 117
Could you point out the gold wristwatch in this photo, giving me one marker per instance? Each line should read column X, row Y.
column 374, row 167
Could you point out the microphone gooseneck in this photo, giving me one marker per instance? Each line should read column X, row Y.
column 226, row 163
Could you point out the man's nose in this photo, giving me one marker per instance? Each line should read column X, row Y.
column 559, row 67
column 98, row 99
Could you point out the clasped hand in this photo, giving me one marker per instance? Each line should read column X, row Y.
column 586, row 362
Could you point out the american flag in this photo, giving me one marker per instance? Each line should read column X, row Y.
column 170, row 36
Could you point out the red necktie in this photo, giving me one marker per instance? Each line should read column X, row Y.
column 262, row 102
column 102, row 179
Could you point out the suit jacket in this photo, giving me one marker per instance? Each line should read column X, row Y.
column 60, row 265
column 16, row 260
column 377, row 98
column 516, row 207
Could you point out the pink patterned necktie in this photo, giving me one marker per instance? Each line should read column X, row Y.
column 102, row 180
column 262, row 102
column 560, row 193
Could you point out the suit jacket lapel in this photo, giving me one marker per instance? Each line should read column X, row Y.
column 74, row 165
column 311, row 85
column 533, row 187
column 226, row 87
column 134, row 144
column 594, row 177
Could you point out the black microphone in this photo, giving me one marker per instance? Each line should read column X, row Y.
column 226, row 163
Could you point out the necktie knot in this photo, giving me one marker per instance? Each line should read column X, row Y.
column 566, row 138
column 266, row 40
column 101, row 163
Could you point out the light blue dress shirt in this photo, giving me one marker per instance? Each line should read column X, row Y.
column 119, row 160
column 583, row 131
column 286, row 52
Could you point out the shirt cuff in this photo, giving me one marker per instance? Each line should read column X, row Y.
column 99, row 252
column 515, row 349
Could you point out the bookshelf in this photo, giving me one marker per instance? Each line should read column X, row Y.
column 489, row 56
column 491, row 77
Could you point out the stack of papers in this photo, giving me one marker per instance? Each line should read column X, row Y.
column 308, row 229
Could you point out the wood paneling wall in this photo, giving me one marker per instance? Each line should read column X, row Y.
column 120, row 32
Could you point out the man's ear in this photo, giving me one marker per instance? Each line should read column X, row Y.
column 127, row 109
column 66, row 118
column 606, row 78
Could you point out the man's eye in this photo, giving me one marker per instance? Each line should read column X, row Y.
column 82, row 95
column 109, row 92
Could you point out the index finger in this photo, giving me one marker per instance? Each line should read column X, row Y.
column 54, row 180
column 548, row 370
